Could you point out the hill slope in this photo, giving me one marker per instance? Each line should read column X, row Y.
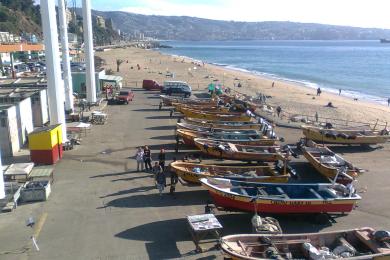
column 191, row 28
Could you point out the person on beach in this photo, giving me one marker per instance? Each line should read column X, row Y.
column 147, row 159
column 339, row 91
column 278, row 111
column 388, row 102
column 239, row 85
column 160, row 179
column 316, row 116
column 318, row 91
column 161, row 158
column 273, row 84
column 139, row 157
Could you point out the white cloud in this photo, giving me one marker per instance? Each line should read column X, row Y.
column 364, row 13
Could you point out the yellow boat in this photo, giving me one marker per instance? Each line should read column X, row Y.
column 206, row 108
column 223, row 124
column 238, row 152
column 245, row 137
column 330, row 164
column 192, row 172
column 216, row 116
column 345, row 136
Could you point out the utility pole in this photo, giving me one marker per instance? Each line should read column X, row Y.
column 67, row 76
column 88, row 50
column 55, row 87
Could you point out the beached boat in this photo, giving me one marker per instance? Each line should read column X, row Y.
column 168, row 100
column 360, row 243
column 248, row 137
column 217, row 116
column 345, row 136
column 223, row 124
column 280, row 197
column 192, row 172
column 330, row 165
column 231, row 151
column 205, row 108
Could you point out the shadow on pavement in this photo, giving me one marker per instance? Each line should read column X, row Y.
column 111, row 174
column 163, row 137
column 129, row 191
column 163, row 127
column 183, row 198
column 164, row 117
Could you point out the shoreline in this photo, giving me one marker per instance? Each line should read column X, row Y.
column 299, row 83
column 292, row 97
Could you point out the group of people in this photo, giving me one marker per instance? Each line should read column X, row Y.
column 143, row 156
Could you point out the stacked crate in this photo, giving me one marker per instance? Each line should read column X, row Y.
column 45, row 144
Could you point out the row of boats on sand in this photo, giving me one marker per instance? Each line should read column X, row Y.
column 226, row 128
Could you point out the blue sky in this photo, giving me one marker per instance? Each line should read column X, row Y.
column 363, row 13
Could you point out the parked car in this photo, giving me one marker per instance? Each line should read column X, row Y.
column 149, row 84
column 176, row 88
column 124, row 96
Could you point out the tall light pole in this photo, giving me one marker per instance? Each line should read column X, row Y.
column 67, row 76
column 88, row 47
column 55, row 87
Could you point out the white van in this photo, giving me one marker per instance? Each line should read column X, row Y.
column 176, row 88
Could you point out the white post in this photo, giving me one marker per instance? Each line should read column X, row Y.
column 55, row 87
column 65, row 56
column 88, row 47
column 2, row 187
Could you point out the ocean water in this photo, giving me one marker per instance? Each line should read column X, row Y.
column 360, row 68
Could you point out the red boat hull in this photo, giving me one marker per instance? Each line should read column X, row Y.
column 278, row 206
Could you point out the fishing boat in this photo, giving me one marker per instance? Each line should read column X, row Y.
column 330, row 165
column 248, row 137
column 223, row 124
column 192, row 172
column 205, row 108
column 280, row 197
column 168, row 100
column 218, row 117
column 359, row 243
column 232, row 151
column 347, row 136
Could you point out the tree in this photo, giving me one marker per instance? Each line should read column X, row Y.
column 118, row 64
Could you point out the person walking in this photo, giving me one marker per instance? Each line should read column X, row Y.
column 147, row 159
column 339, row 91
column 316, row 116
column 139, row 157
column 278, row 110
column 159, row 178
column 318, row 91
column 388, row 102
column 174, row 179
column 273, row 84
column 161, row 159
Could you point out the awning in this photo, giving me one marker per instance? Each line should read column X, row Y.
column 111, row 78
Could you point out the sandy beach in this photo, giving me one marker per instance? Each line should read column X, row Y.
column 293, row 98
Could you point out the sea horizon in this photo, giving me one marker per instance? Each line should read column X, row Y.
column 357, row 67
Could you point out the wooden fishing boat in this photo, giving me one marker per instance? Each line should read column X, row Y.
column 248, row 137
column 192, row 172
column 360, row 243
column 231, row 151
column 168, row 100
column 205, row 108
column 217, row 116
column 280, row 197
column 330, row 165
column 188, row 111
column 345, row 136
column 223, row 124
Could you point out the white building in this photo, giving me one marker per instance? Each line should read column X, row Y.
column 9, row 133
